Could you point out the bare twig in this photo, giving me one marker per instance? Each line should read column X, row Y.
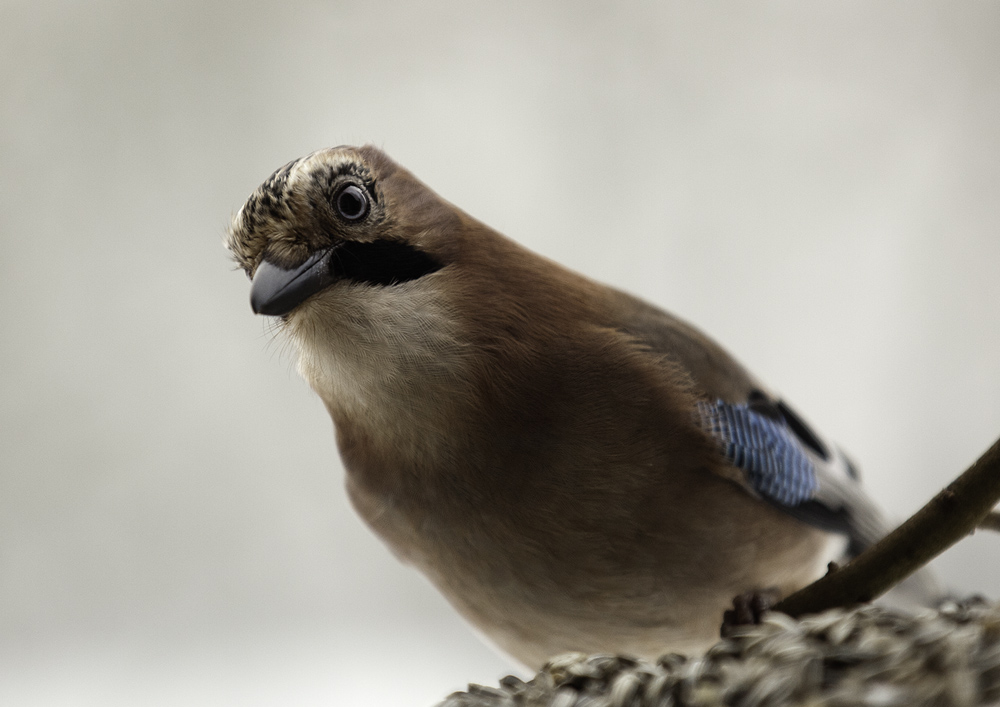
column 990, row 522
column 947, row 518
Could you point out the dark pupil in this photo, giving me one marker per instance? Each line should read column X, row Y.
column 351, row 203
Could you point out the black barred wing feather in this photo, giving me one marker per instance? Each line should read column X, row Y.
column 774, row 462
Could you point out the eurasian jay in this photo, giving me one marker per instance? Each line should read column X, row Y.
column 575, row 469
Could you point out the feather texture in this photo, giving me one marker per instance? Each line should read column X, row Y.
column 775, row 463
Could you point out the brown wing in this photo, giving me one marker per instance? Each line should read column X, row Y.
column 840, row 504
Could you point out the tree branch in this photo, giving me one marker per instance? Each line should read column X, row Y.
column 990, row 522
column 947, row 518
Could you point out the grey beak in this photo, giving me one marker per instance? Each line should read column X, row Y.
column 276, row 291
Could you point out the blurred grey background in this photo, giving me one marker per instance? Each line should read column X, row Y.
column 814, row 184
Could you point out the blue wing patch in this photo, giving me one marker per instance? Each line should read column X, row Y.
column 775, row 463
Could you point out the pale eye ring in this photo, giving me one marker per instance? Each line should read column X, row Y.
column 352, row 203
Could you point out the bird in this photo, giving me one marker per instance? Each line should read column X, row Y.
column 572, row 467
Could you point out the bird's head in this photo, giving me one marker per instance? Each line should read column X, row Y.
column 341, row 216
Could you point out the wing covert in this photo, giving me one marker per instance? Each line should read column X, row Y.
column 776, row 465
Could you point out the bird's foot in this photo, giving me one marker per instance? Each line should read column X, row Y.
column 748, row 609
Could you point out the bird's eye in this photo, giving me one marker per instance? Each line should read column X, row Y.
column 352, row 203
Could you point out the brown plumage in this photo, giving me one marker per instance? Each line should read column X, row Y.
column 526, row 437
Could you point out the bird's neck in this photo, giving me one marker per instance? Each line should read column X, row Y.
column 389, row 365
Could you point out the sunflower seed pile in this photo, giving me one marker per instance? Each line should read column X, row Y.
column 871, row 656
